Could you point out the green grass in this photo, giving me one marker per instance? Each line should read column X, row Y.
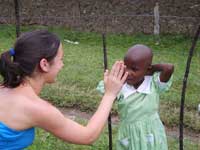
column 76, row 83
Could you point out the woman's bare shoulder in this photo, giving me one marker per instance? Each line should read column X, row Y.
column 41, row 108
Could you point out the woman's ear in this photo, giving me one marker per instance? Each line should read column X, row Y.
column 44, row 65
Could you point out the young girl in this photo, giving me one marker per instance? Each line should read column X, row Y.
column 138, row 102
column 35, row 60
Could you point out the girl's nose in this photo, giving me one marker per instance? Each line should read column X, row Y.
column 128, row 70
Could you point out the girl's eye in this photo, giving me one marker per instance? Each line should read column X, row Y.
column 134, row 69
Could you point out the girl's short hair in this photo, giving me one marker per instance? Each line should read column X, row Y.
column 29, row 49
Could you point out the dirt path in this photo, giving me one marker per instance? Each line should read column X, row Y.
column 172, row 132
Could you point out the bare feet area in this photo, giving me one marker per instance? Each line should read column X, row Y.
column 171, row 132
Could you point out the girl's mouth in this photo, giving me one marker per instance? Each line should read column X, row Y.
column 129, row 78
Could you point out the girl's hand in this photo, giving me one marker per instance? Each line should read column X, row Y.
column 165, row 70
column 115, row 79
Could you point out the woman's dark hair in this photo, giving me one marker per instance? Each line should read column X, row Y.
column 29, row 49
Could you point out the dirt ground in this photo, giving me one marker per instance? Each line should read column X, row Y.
column 172, row 132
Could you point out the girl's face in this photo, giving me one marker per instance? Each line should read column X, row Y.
column 56, row 65
column 137, row 70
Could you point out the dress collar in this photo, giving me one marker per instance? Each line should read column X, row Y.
column 143, row 88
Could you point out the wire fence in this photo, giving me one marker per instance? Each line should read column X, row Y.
column 132, row 16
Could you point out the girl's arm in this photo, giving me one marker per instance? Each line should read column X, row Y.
column 165, row 69
column 49, row 118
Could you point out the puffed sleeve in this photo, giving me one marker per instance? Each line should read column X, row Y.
column 161, row 86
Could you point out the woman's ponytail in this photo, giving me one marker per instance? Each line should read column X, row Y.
column 10, row 70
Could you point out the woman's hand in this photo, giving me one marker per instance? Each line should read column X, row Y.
column 115, row 79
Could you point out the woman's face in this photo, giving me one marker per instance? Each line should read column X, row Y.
column 56, row 65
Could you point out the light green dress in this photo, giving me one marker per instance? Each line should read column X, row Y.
column 140, row 125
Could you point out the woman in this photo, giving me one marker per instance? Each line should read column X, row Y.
column 35, row 60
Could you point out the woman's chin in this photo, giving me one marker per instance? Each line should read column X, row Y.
column 51, row 81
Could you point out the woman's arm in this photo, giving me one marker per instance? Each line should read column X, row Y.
column 165, row 69
column 49, row 118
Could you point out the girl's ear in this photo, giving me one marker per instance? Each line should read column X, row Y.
column 44, row 65
column 149, row 70
column 149, row 67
